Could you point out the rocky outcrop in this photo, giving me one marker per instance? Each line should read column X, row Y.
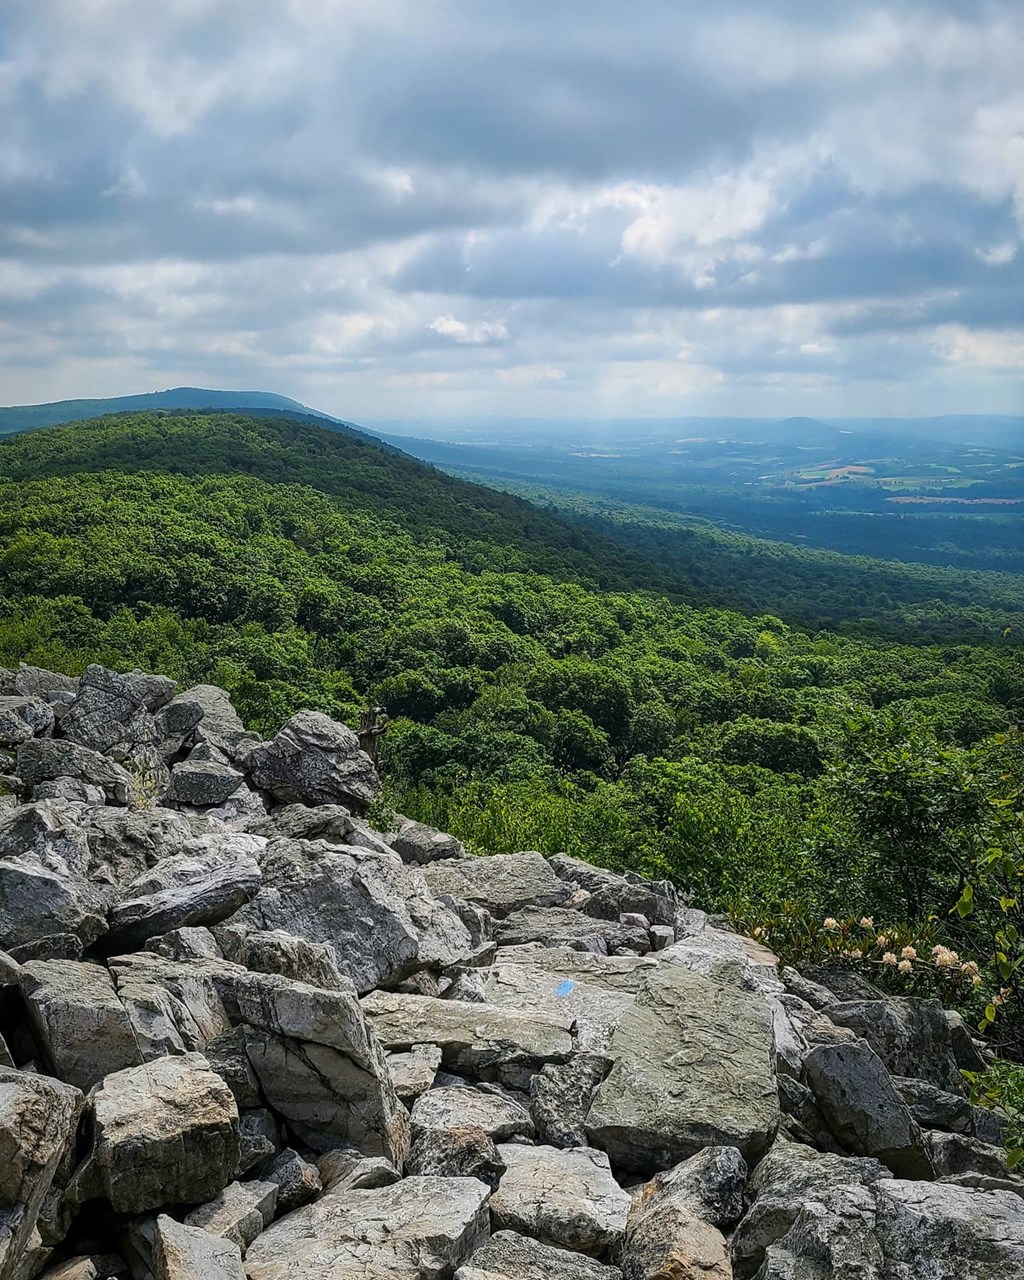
column 245, row 1034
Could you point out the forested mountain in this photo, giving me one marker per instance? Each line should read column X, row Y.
column 29, row 417
column 541, row 693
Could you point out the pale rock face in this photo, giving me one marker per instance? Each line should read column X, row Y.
column 182, row 1252
column 502, row 883
column 413, row 1071
column 239, row 1213
column 79, row 1020
column 509, row 1256
column 693, row 1066
column 417, row 1229
column 500, row 1118
column 163, row 1133
column 564, row 1198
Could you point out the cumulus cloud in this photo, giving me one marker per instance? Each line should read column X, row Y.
column 387, row 206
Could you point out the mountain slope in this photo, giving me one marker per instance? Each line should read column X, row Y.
column 29, row 417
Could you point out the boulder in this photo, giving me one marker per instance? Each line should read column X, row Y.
column 463, row 1152
column 501, row 883
column 24, row 718
column 282, row 953
column 417, row 1229
column 98, row 1266
column 38, row 1125
column 693, row 1066
column 499, row 1117
column 113, row 711
column 863, row 1109
column 297, row 1180
column 614, row 900
column 564, row 927
column 510, row 1256
column 175, row 1005
column 675, row 1224
column 320, row 1065
column 910, row 1035
column 904, row 1229
column 239, row 1213
column 182, row 1252
column 45, row 883
column 418, row 843
column 560, row 1097
column 47, row 759
column 257, row 1138
column 203, row 783
column 72, row 789
column 201, row 887
column 80, row 1024
column 377, row 915
column 564, row 1198
column 162, row 1133
column 952, row 1154
column 791, row 1179
column 483, row 1040
column 413, row 1071
column 314, row 760
column 934, row 1108
column 35, row 682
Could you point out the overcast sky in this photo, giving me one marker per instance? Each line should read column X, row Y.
column 431, row 207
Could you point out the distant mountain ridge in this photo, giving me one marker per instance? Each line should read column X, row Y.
column 29, row 417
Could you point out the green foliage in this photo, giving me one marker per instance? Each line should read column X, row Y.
column 1001, row 1089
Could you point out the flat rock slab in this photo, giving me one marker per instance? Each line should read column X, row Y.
column 564, row 1198
column 510, row 1256
column 592, row 992
column 417, row 1229
column 455, row 1108
column 483, row 1040
column 413, row 1071
column 501, row 883
column 693, row 1067
column 239, row 1213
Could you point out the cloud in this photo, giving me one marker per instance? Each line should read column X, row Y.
column 381, row 206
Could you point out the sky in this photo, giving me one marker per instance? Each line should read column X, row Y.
column 395, row 208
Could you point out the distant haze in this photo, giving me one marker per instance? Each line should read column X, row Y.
column 399, row 209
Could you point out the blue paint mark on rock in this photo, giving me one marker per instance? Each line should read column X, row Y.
column 564, row 988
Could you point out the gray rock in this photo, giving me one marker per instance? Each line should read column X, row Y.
column 45, row 884
column 417, row 1229
column 501, row 883
column 413, row 1071
column 282, row 953
column 904, row 1229
column 563, row 927
column 560, row 1097
column 509, row 1256
column 377, row 915
column 666, row 1239
column 863, row 1109
column 175, row 1006
column 110, row 710
column 346, row 1169
column 790, row 1179
column 38, row 1124
column 583, row 875
column 802, row 1120
column 592, row 992
column 24, row 718
column 297, row 1180
column 34, row 682
column 965, row 1052
column 500, row 1118
column 72, row 789
column 106, row 1266
column 710, row 1184
column 188, row 1253
column 195, row 943
column 239, row 1213
column 203, row 783
column 953, row 1153
column 320, row 1065
column 817, row 996
column 662, row 936
column 257, row 1134
column 692, row 1067
column 80, row 1024
column 564, row 1198
column 201, row 887
column 844, row 984
column 909, row 1034
column 466, row 1152
column 934, row 1108
column 613, row 901
column 418, row 843
column 228, row 1057
column 47, row 759
column 162, row 1133
column 468, row 986
column 482, row 1040
column 315, row 760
